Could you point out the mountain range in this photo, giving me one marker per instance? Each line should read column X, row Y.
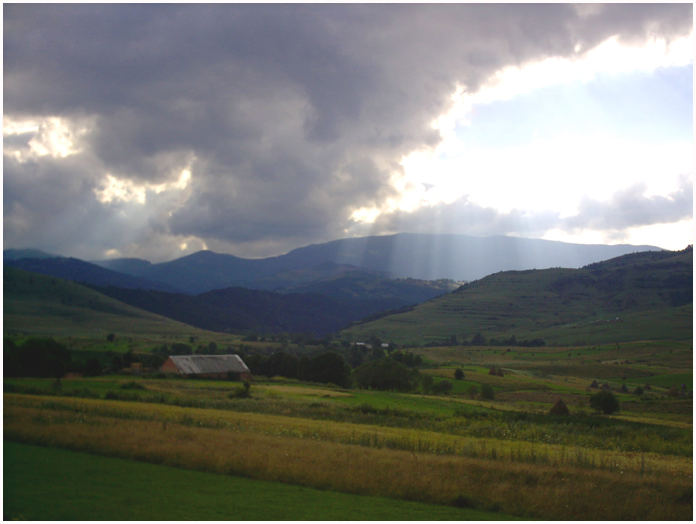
column 416, row 256
column 562, row 305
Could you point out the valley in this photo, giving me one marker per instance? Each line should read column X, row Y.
column 481, row 403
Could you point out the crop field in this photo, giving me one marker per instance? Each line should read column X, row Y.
column 451, row 456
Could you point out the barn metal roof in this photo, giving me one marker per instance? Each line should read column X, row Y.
column 200, row 364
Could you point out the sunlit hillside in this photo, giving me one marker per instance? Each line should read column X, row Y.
column 41, row 305
column 640, row 296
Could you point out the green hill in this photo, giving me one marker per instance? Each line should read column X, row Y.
column 41, row 305
column 637, row 296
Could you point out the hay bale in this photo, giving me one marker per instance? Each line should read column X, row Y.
column 559, row 408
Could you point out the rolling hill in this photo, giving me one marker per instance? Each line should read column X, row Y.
column 48, row 306
column 636, row 296
column 41, row 304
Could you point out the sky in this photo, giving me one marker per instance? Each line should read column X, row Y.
column 154, row 131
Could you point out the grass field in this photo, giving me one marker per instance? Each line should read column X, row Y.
column 80, row 486
column 497, row 456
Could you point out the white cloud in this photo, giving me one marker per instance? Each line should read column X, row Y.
column 548, row 174
column 610, row 57
column 52, row 136
column 673, row 236
column 114, row 189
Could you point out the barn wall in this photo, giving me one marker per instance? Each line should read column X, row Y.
column 169, row 367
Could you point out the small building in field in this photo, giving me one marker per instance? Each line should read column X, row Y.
column 207, row 366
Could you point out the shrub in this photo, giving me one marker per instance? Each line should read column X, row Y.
column 132, row 385
column 463, row 502
column 604, row 401
column 458, row 374
column 442, row 388
column 409, row 359
column 427, row 383
column 673, row 392
column 179, row 348
column 242, row 391
column 487, row 392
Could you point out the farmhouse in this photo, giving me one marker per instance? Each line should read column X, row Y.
column 208, row 366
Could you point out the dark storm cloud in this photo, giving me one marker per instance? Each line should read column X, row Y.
column 290, row 116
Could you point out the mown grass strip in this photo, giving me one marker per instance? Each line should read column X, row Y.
column 529, row 490
column 56, row 484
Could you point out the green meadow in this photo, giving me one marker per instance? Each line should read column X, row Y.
column 81, row 486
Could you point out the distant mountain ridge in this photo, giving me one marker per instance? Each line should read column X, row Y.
column 18, row 254
column 404, row 255
column 241, row 310
column 375, row 290
column 83, row 272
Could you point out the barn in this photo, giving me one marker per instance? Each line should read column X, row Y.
column 207, row 366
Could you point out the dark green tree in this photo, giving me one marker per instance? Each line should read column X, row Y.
column 386, row 374
column 478, row 340
column 284, row 365
column 458, row 374
column 92, row 367
column 37, row 357
column 604, row 401
column 326, row 367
